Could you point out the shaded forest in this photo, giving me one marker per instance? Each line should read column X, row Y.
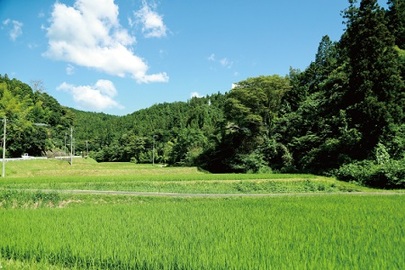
column 343, row 115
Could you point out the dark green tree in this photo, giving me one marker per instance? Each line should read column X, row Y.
column 250, row 109
column 375, row 95
column 396, row 21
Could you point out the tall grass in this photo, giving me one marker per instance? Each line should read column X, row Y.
column 328, row 232
column 85, row 167
column 21, row 199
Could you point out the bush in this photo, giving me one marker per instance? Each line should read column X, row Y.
column 250, row 163
column 390, row 174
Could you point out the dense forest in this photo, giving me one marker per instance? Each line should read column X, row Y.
column 343, row 115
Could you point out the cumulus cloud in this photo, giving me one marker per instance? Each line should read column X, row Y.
column 15, row 28
column 96, row 97
column 152, row 23
column 89, row 34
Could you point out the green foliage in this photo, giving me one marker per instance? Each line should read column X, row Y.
column 381, row 154
column 395, row 142
column 251, row 110
column 390, row 174
column 375, row 97
column 396, row 18
column 178, row 132
column 34, row 119
column 349, row 99
column 255, row 102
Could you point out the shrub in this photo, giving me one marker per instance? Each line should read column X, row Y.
column 250, row 163
column 389, row 174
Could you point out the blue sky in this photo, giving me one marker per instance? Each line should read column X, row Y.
column 119, row 56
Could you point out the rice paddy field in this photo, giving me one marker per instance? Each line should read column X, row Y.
column 127, row 216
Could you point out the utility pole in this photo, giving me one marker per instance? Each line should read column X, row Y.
column 87, row 148
column 3, row 174
column 153, row 151
column 71, row 146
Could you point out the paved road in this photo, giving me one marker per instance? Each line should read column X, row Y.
column 208, row 195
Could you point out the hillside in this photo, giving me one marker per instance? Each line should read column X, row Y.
column 343, row 115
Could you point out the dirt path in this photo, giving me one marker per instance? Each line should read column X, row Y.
column 209, row 195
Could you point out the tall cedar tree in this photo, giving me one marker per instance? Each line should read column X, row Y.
column 396, row 17
column 375, row 96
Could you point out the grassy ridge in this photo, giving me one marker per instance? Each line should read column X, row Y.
column 333, row 232
column 89, row 175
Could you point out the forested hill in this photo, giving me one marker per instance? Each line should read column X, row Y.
column 38, row 125
column 343, row 115
column 35, row 120
column 178, row 132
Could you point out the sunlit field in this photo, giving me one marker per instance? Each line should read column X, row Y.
column 300, row 222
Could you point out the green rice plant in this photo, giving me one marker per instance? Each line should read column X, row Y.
column 288, row 232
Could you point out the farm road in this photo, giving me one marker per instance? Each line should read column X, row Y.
column 209, row 195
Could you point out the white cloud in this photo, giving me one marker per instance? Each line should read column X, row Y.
column 152, row 23
column 89, row 34
column 196, row 94
column 41, row 14
column 211, row 57
column 131, row 22
column 32, row 45
column 16, row 28
column 224, row 62
column 93, row 97
column 70, row 69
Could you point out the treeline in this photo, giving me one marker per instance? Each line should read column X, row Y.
column 171, row 133
column 343, row 115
